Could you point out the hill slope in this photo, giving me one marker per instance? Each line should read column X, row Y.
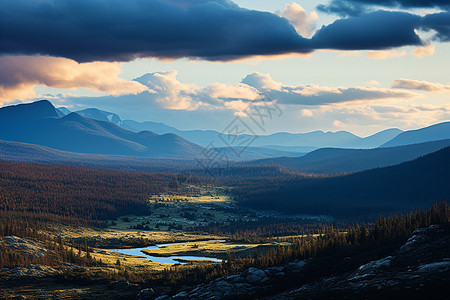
column 39, row 123
column 435, row 132
column 410, row 185
column 334, row 160
column 22, row 152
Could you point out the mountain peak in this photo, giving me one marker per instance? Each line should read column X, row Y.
column 100, row 115
column 73, row 116
column 440, row 131
column 34, row 110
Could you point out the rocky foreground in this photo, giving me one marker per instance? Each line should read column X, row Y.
column 420, row 269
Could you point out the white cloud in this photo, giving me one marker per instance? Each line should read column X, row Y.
column 20, row 74
column 307, row 113
column 421, row 86
column 262, row 81
column 373, row 118
column 352, row 107
column 372, row 82
column 426, row 50
column 255, row 89
column 304, row 23
column 320, row 95
column 239, row 91
column 385, row 54
column 337, row 123
column 170, row 93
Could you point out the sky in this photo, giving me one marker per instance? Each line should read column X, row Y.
column 357, row 65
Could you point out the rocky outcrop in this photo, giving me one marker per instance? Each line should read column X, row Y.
column 420, row 269
column 420, row 237
column 251, row 282
column 372, row 268
column 32, row 271
column 25, row 247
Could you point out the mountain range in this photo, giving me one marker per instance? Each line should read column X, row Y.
column 94, row 131
column 315, row 139
column 336, row 160
column 41, row 124
column 435, row 132
column 290, row 142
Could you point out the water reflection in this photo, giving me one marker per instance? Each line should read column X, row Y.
column 165, row 260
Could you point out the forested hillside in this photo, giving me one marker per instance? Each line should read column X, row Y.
column 41, row 193
column 414, row 184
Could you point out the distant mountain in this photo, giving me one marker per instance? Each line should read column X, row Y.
column 321, row 139
column 40, row 123
column 252, row 153
column 301, row 149
column 159, row 128
column 378, row 139
column 201, row 137
column 63, row 111
column 100, row 115
column 335, row 160
column 435, row 132
column 414, row 184
column 313, row 139
column 205, row 137
column 316, row 139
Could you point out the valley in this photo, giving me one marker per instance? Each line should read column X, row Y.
column 167, row 240
column 224, row 149
column 81, row 225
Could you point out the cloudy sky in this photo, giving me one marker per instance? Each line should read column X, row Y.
column 356, row 65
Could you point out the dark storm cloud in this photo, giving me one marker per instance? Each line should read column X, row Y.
column 440, row 23
column 356, row 7
column 376, row 30
column 342, row 8
column 87, row 30
column 119, row 30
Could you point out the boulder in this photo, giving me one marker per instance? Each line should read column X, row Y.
column 146, row 294
column 441, row 266
column 255, row 276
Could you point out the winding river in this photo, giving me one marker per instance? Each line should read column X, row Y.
column 168, row 259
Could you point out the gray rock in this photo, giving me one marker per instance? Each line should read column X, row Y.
column 182, row 295
column 255, row 276
column 296, row 265
column 419, row 236
column 441, row 266
column 224, row 286
column 235, row 278
column 146, row 294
